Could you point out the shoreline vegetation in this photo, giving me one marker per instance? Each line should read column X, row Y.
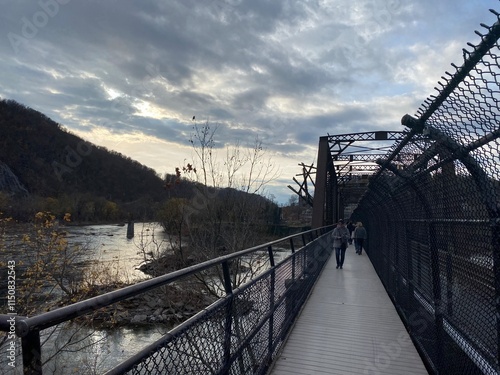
column 179, row 301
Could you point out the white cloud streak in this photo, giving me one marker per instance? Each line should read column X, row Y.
column 287, row 71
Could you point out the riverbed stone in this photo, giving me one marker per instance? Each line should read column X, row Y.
column 139, row 318
column 158, row 312
column 178, row 305
column 166, row 316
column 151, row 302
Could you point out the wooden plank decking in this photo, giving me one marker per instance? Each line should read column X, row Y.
column 349, row 326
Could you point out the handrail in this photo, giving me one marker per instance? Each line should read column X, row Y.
column 28, row 328
column 51, row 318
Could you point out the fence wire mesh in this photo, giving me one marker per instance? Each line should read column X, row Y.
column 261, row 291
column 433, row 211
column 242, row 332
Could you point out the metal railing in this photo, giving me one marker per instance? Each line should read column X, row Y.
column 240, row 333
column 434, row 218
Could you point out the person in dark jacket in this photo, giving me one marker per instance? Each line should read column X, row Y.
column 359, row 235
column 350, row 227
column 340, row 237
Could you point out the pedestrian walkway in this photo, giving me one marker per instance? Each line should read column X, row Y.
column 349, row 326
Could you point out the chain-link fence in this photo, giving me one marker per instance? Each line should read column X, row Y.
column 243, row 331
column 240, row 333
column 433, row 216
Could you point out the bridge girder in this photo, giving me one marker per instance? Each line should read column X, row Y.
column 340, row 161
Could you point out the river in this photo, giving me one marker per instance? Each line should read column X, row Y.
column 109, row 245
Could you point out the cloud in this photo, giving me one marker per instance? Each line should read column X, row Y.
column 287, row 72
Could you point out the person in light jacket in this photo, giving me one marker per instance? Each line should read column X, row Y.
column 359, row 235
column 340, row 237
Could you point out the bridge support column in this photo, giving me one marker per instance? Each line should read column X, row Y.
column 325, row 187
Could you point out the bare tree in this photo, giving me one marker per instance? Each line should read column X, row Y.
column 228, row 212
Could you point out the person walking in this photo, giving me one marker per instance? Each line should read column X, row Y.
column 340, row 237
column 359, row 235
column 350, row 226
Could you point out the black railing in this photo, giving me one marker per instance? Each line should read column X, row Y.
column 240, row 333
column 435, row 219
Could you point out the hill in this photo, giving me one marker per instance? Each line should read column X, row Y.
column 62, row 172
column 44, row 167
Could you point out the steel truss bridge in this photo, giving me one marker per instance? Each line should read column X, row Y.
column 344, row 164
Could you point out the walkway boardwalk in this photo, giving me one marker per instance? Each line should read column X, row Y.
column 349, row 326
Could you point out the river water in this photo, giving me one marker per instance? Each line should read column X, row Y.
column 108, row 247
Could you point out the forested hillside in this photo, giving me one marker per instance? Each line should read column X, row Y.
column 63, row 172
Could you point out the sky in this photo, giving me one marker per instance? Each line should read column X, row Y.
column 130, row 75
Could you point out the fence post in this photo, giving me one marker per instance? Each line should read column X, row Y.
column 229, row 315
column 436, row 289
column 304, row 256
column 271, row 306
column 495, row 244
column 411, row 283
column 290, row 290
column 32, row 353
column 449, row 282
column 394, row 248
column 291, row 287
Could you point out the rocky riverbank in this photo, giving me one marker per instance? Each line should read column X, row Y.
column 169, row 306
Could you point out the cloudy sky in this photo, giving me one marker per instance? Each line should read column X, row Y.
column 130, row 75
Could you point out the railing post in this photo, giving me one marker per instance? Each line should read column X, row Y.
column 271, row 305
column 449, row 282
column 495, row 244
column 436, row 288
column 394, row 246
column 409, row 251
column 229, row 315
column 290, row 287
column 32, row 353
column 227, row 278
column 419, row 265
column 271, row 255
column 304, row 260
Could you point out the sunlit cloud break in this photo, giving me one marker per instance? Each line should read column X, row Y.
column 131, row 75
